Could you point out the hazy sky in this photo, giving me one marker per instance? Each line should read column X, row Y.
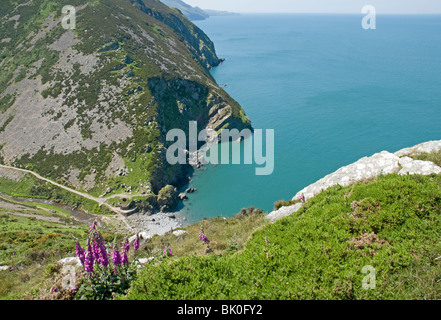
column 322, row 6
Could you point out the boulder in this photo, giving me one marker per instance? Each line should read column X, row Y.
column 167, row 198
column 69, row 264
column 142, row 235
column 179, row 232
column 410, row 166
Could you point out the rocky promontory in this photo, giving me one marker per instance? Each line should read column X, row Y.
column 382, row 163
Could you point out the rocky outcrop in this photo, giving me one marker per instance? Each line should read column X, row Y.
column 283, row 212
column 167, row 199
column 367, row 168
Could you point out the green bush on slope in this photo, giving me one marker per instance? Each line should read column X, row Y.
column 319, row 252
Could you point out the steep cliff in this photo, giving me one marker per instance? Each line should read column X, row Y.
column 89, row 107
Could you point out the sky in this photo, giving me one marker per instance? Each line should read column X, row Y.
column 321, row 6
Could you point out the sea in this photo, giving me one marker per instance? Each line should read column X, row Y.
column 332, row 91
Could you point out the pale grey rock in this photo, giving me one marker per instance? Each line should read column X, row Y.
column 142, row 235
column 405, row 161
column 4, row 268
column 73, row 261
column 419, row 167
column 179, row 232
column 365, row 168
column 69, row 264
column 143, row 261
column 283, row 212
column 425, row 147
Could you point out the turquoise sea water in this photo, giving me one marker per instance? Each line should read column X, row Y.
column 332, row 91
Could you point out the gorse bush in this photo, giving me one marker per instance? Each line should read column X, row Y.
column 104, row 274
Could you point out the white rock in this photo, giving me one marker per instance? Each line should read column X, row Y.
column 179, row 232
column 405, row 160
column 283, row 212
column 4, row 268
column 365, row 168
column 419, row 167
column 143, row 261
column 426, row 147
column 69, row 264
column 71, row 261
column 142, row 235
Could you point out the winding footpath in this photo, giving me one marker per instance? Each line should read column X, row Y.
column 101, row 201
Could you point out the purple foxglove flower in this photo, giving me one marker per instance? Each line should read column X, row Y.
column 104, row 259
column 79, row 251
column 93, row 226
column 203, row 237
column 136, row 243
column 125, row 259
column 88, row 263
column 170, row 251
column 96, row 250
column 126, row 246
column 116, row 257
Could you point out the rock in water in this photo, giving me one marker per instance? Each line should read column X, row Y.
column 167, row 199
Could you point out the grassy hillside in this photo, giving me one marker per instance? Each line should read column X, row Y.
column 32, row 240
column 391, row 224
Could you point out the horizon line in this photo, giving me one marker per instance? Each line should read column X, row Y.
column 329, row 13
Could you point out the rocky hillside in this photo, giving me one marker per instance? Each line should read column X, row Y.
column 90, row 107
column 192, row 13
column 195, row 13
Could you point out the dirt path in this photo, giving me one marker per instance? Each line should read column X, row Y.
column 100, row 201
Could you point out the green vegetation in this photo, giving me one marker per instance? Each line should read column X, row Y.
column 391, row 223
column 29, row 245
column 227, row 236
column 282, row 203
column 5, row 124
column 7, row 101
column 31, row 187
column 435, row 157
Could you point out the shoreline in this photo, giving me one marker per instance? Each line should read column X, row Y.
column 156, row 224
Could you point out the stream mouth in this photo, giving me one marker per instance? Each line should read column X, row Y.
column 78, row 214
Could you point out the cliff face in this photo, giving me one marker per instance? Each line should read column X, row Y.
column 90, row 107
column 192, row 13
